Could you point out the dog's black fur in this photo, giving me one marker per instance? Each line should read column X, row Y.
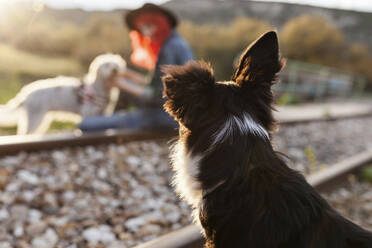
column 251, row 198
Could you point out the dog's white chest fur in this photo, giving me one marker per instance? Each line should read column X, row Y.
column 187, row 166
column 186, row 169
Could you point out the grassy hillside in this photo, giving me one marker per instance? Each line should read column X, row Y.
column 356, row 25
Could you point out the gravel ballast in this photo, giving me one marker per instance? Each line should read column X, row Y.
column 316, row 145
column 354, row 202
column 120, row 195
column 104, row 196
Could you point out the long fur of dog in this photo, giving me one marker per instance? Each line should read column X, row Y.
column 243, row 193
column 38, row 103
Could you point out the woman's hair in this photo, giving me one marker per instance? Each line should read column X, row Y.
column 145, row 48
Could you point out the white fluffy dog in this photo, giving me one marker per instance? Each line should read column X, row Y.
column 31, row 108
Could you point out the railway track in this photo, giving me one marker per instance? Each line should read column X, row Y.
column 13, row 144
column 188, row 237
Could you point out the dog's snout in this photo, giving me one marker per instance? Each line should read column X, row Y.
column 115, row 70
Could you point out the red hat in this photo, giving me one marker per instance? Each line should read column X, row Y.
column 130, row 16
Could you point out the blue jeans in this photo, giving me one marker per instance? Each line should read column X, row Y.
column 142, row 119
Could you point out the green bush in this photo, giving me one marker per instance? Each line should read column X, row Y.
column 366, row 173
column 222, row 44
column 313, row 39
column 288, row 99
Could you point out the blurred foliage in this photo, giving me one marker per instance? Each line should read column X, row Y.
column 313, row 39
column 22, row 62
column 366, row 173
column 289, row 99
column 360, row 61
column 8, row 130
column 102, row 35
column 312, row 160
column 61, row 125
column 221, row 45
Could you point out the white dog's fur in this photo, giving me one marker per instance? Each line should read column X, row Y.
column 32, row 107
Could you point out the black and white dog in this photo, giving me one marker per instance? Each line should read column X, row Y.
column 244, row 194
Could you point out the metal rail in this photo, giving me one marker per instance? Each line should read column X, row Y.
column 324, row 118
column 187, row 237
column 324, row 181
column 13, row 144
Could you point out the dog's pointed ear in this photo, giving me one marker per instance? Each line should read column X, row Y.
column 260, row 62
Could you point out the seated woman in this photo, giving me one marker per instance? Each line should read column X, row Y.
column 155, row 43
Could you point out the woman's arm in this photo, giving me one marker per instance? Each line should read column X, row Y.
column 130, row 87
column 135, row 77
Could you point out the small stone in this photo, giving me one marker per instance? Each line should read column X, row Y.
column 5, row 245
column 13, row 186
column 69, row 195
column 28, row 195
column 59, row 157
column 173, row 217
column 51, row 199
column 4, row 178
column 100, row 185
column 133, row 160
column 60, row 221
column 102, row 173
column 149, row 229
column 118, row 229
column 19, row 212
column 18, row 230
column 100, row 234
column 114, row 203
column 34, row 215
column 117, row 244
column 40, row 242
column 103, row 200
column 48, row 240
column 22, row 244
column 11, row 161
column 4, row 214
column 344, row 193
column 4, row 235
column 51, row 236
column 50, row 210
column 28, row 177
column 134, row 224
column 37, row 228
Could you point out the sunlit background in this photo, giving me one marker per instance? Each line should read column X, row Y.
column 46, row 38
column 119, row 194
column 360, row 5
